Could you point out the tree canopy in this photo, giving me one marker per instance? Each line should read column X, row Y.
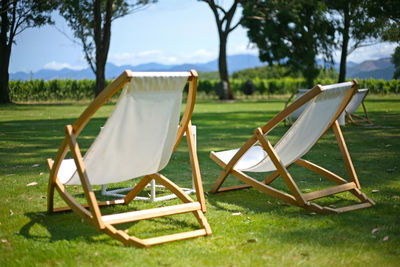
column 290, row 33
column 91, row 22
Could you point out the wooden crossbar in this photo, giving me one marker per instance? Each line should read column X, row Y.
column 178, row 236
column 233, row 187
column 353, row 207
column 329, row 191
column 150, row 213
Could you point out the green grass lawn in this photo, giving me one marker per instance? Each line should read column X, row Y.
column 249, row 228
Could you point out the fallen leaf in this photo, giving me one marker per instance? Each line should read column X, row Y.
column 236, row 213
column 41, row 173
column 386, row 238
column 269, row 202
column 375, row 230
column 375, row 191
column 11, row 213
column 32, row 184
column 5, row 241
column 35, row 165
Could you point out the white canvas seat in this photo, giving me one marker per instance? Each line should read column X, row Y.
column 119, row 192
column 322, row 107
column 351, row 108
column 354, row 104
column 137, row 140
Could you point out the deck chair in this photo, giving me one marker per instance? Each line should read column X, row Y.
column 137, row 141
column 345, row 117
column 153, row 186
column 326, row 103
column 354, row 104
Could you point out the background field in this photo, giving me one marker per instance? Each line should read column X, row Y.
column 249, row 228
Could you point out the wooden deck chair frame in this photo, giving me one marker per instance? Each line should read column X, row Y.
column 296, row 197
column 359, row 119
column 92, row 213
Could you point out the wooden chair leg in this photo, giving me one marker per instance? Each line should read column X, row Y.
column 280, row 167
column 194, row 162
column 345, row 153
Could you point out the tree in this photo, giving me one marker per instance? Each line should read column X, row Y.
column 91, row 22
column 290, row 32
column 389, row 12
column 223, row 19
column 15, row 17
column 396, row 63
column 355, row 28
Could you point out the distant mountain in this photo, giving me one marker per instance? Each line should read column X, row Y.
column 235, row 63
column 377, row 69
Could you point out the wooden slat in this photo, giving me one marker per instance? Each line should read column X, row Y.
column 233, row 187
column 226, row 168
column 137, row 189
column 354, row 207
column 259, row 186
column 318, row 169
column 329, row 191
column 291, row 108
column 173, row 237
column 271, row 177
column 80, row 167
column 101, row 204
column 345, row 154
column 102, row 98
column 187, row 114
column 150, row 213
column 75, row 206
column 194, row 163
column 287, row 178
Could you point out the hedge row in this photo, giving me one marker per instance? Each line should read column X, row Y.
column 40, row 90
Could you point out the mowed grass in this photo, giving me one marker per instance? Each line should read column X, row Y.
column 249, row 228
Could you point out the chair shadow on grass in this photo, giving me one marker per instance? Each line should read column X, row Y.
column 69, row 226
column 306, row 227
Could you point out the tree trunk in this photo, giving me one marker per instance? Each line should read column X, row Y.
column 4, row 77
column 102, row 36
column 100, row 77
column 345, row 43
column 5, row 52
column 223, row 67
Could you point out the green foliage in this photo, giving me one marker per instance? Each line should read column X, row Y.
column 290, row 32
column 276, row 72
column 265, row 72
column 53, row 90
column 396, row 63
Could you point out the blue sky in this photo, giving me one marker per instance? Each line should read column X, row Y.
column 168, row 32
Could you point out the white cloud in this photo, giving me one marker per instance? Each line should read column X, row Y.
column 372, row 52
column 158, row 56
column 53, row 65
column 244, row 49
column 381, row 50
